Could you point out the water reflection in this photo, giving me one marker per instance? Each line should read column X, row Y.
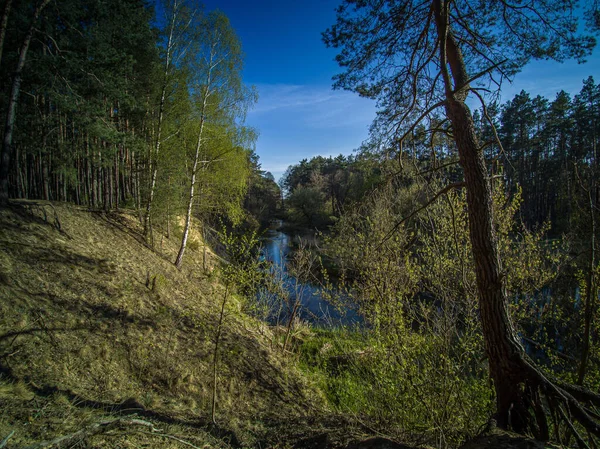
column 313, row 307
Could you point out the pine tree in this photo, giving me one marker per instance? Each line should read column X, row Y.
column 416, row 57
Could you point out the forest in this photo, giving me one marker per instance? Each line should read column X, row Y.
column 111, row 112
column 464, row 232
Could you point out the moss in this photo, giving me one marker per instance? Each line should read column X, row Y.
column 159, row 283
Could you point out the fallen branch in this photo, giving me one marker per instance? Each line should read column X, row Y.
column 5, row 440
column 94, row 429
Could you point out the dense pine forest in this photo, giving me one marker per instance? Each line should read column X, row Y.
column 114, row 104
column 458, row 245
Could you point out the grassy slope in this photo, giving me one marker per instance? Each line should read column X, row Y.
column 82, row 338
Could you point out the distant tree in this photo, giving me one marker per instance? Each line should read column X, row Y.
column 307, row 206
column 559, row 129
column 416, row 57
column 263, row 198
column 587, row 208
column 321, row 187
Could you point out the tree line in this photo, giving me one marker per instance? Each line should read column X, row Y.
column 546, row 150
column 113, row 104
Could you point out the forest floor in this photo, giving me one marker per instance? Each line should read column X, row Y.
column 104, row 343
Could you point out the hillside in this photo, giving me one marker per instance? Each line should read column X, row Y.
column 104, row 343
column 95, row 326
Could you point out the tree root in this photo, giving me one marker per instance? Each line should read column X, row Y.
column 563, row 403
column 40, row 207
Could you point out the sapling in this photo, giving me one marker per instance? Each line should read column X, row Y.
column 242, row 272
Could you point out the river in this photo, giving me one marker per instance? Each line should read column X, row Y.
column 312, row 306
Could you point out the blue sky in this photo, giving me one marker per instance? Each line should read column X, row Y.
column 298, row 115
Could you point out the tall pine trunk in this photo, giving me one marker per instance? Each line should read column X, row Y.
column 3, row 25
column 505, row 353
column 161, row 110
column 13, row 99
column 591, row 283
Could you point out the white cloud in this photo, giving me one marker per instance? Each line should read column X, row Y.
column 313, row 106
column 298, row 122
column 273, row 97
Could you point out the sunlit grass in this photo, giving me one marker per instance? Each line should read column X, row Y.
column 83, row 332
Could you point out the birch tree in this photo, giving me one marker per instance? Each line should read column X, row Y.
column 180, row 29
column 220, row 100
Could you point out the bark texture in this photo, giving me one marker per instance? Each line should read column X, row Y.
column 505, row 353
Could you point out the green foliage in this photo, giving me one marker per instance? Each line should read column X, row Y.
column 413, row 278
column 405, row 387
column 95, row 80
column 115, row 102
column 223, row 181
column 306, row 207
column 319, row 190
column 263, row 198
column 244, row 271
column 216, row 141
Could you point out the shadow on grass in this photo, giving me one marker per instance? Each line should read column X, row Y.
column 128, row 407
column 26, row 210
column 245, row 355
column 116, row 221
column 98, row 312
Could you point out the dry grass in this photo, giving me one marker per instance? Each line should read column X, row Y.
column 82, row 336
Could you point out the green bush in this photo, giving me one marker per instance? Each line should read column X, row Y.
column 414, row 386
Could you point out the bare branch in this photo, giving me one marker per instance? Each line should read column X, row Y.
column 488, row 118
column 445, row 190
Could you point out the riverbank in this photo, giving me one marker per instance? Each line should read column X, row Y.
column 103, row 339
column 307, row 294
column 96, row 326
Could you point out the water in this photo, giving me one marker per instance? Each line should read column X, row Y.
column 313, row 307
